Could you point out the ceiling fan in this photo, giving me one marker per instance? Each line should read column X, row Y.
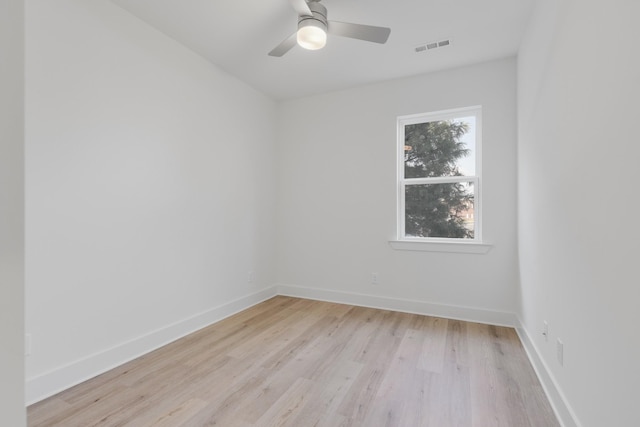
column 313, row 26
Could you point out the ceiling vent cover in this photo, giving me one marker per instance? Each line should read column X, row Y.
column 432, row 45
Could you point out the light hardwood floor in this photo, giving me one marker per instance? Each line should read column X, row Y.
column 299, row 363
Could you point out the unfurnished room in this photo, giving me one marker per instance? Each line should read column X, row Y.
column 330, row 213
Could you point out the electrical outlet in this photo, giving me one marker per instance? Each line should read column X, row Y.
column 250, row 276
column 27, row 345
column 545, row 330
column 375, row 279
column 560, row 352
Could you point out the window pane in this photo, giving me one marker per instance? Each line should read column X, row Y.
column 440, row 210
column 440, row 148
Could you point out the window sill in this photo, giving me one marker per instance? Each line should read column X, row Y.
column 436, row 246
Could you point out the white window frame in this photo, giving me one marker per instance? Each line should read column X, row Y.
column 440, row 243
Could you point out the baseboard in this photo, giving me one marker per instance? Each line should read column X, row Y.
column 59, row 379
column 566, row 416
column 470, row 314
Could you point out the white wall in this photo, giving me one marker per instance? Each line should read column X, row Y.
column 12, row 411
column 578, row 203
column 149, row 191
column 337, row 195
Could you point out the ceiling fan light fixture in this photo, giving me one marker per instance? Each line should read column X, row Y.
column 312, row 34
column 313, row 27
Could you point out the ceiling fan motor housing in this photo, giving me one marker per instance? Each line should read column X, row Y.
column 318, row 17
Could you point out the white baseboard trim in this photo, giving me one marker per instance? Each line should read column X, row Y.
column 64, row 377
column 478, row 315
column 566, row 416
column 59, row 379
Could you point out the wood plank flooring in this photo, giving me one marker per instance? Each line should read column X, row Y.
column 295, row 362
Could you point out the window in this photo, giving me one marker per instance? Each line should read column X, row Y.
column 439, row 176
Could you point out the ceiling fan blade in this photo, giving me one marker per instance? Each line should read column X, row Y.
column 301, row 7
column 358, row 31
column 285, row 46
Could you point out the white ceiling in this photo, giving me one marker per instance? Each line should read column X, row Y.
column 236, row 35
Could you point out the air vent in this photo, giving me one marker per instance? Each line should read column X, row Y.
column 432, row 45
